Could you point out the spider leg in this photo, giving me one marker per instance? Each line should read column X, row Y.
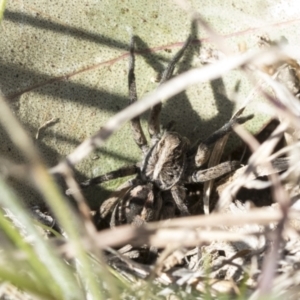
column 102, row 218
column 144, row 205
column 214, row 172
column 114, row 221
column 122, row 172
column 153, row 122
column 203, row 149
column 179, row 194
column 136, row 128
column 140, row 204
column 168, row 206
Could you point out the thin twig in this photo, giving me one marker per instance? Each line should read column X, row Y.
column 258, row 158
column 185, row 231
column 47, row 187
column 165, row 91
column 45, row 125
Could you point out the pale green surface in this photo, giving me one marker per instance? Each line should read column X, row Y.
column 2, row 8
column 42, row 40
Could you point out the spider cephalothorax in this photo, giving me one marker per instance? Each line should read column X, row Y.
column 165, row 162
column 170, row 162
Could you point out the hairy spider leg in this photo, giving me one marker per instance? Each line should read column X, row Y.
column 179, row 195
column 122, row 172
column 136, row 128
column 203, row 148
column 214, row 172
column 154, row 118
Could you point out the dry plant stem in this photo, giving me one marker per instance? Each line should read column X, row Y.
column 215, row 158
column 141, row 270
column 159, row 264
column 280, row 106
column 279, row 195
column 188, row 229
column 284, row 150
column 165, row 91
column 45, row 125
column 45, row 184
column 258, row 158
column 218, row 150
column 270, row 261
column 213, row 161
column 79, row 198
column 242, row 253
column 278, row 192
column 163, row 237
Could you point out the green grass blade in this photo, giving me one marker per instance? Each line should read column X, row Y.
column 2, row 8
column 63, row 282
column 24, row 283
column 38, row 268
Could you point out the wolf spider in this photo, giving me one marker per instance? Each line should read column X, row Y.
column 170, row 162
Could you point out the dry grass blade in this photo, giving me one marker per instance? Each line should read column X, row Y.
column 49, row 262
column 188, row 232
column 62, row 210
column 80, row 200
column 258, row 158
column 213, row 161
column 165, row 91
column 288, row 107
column 261, row 153
column 156, row 233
